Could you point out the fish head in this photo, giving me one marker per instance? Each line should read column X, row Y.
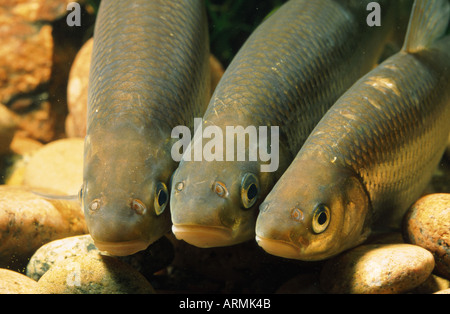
column 125, row 192
column 214, row 203
column 315, row 211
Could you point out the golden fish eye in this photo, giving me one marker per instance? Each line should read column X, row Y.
column 249, row 190
column 94, row 205
column 321, row 218
column 138, row 206
column 161, row 198
column 220, row 189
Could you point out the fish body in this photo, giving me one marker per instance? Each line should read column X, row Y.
column 149, row 73
column 288, row 73
column 371, row 156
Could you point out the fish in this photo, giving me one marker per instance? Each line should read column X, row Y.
column 287, row 74
column 371, row 155
column 149, row 73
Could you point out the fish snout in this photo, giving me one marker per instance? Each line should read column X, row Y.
column 278, row 247
column 118, row 230
column 203, row 236
column 280, row 232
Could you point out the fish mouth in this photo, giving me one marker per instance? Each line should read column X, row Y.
column 278, row 247
column 203, row 236
column 123, row 248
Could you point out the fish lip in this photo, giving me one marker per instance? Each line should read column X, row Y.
column 122, row 248
column 203, row 236
column 279, row 247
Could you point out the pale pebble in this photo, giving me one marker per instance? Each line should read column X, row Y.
column 12, row 282
column 27, row 221
column 157, row 256
column 427, row 224
column 77, row 92
column 57, row 166
column 432, row 284
column 445, row 291
column 93, row 274
column 377, row 269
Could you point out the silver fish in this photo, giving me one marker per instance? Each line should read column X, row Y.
column 149, row 73
column 371, row 156
column 291, row 69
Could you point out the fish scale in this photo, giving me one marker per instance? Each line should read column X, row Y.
column 287, row 74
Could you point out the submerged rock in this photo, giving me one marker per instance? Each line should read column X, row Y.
column 77, row 92
column 93, row 274
column 57, row 166
column 432, row 284
column 154, row 258
column 12, row 282
column 27, row 221
column 427, row 224
column 377, row 268
column 445, row 291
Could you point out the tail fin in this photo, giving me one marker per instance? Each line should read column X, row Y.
column 428, row 22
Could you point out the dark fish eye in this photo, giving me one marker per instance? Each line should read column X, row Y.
column 161, row 198
column 249, row 190
column 321, row 218
column 220, row 189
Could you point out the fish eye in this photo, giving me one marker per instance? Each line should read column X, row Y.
column 220, row 189
column 321, row 218
column 249, row 190
column 138, row 206
column 161, row 198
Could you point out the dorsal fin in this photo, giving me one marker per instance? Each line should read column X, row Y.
column 428, row 22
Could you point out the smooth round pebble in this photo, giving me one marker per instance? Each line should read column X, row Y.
column 377, row 269
column 77, row 88
column 157, row 256
column 445, row 291
column 27, row 221
column 427, row 224
column 57, row 166
column 12, row 282
column 59, row 250
column 93, row 274
column 432, row 284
